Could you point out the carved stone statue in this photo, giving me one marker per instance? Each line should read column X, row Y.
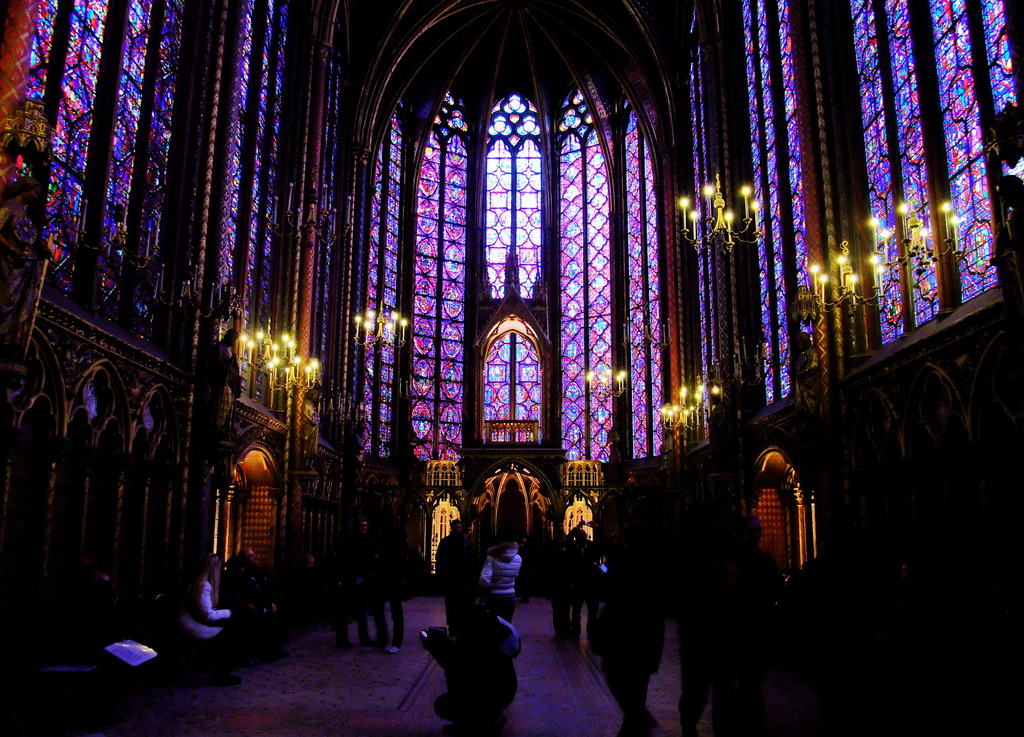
column 1009, row 249
column 806, row 377
column 224, row 385
column 310, row 438
column 23, row 260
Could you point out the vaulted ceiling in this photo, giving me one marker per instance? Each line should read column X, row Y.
column 415, row 50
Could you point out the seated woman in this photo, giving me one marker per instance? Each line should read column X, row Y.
column 478, row 671
column 197, row 617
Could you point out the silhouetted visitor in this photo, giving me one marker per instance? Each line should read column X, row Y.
column 829, row 597
column 390, row 588
column 456, row 570
column 478, row 671
column 759, row 588
column 630, row 630
column 304, row 592
column 573, row 583
column 359, row 564
column 708, row 621
column 254, row 601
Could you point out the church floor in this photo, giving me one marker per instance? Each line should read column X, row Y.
column 320, row 690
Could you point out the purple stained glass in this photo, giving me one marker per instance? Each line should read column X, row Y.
column 767, row 191
column 907, row 109
column 1000, row 65
column 233, row 177
column 72, row 129
column 585, row 283
column 643, row 304
column 155, row 181
column 880, row 183
column 765, row 262
column 126, row 124
column 266, row 259
column 439, row 288
column 513, row 183
column 965, row 147
column 382, row 281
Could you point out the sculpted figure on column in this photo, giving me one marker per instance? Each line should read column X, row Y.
column 23, row 260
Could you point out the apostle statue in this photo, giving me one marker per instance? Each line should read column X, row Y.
column 310, row 432
column 23, row 259
column 224, row 385
column 807, row 377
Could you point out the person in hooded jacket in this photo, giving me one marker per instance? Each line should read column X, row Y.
column 498, row 578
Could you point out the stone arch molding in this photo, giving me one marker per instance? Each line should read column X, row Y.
column 878, row 431
column 547, row 487
column 43, row 380
column 998, row 387
column 934, row 403
column 102, row 396
column 157, row 420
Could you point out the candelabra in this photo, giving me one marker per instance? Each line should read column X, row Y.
column 292, row 373
column 607, row 383
column 719, row 226
column 223, row 300
column 386, row 327
column 921, row 249
column 692, row 405
column 291, row 223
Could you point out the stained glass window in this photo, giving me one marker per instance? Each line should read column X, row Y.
column 382, row 285
column 513, row 185
column 586, row 279
column 643, row 330
column 777, row 177
column 965, row 148
column 897, row 146
column 154, row 180
column 84, row 23
column 512, row 388
column 439, row 288
column 67, row 44
column 706, row 311
column 325, row 309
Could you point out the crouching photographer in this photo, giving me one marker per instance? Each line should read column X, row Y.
column 478, row 670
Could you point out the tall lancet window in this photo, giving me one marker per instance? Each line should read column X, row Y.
column 585, row 283
column 705, row 261
column 778, row 182
column 961, row 121
column 895, row 151
column 643, row 302
column 382, row 285
column 513, row 232
column 68, row 41
column 67, row 75
column 262, row 143
column 439, row 288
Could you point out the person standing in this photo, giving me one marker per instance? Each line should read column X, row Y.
column 360, row 564
column 759, row 587
column 389, row 588
column 632, row 626
column 455, row 569
column 498, row 578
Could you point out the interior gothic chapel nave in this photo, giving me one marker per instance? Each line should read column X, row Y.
column 271, row 266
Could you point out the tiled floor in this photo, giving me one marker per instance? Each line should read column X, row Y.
column 320, row 690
